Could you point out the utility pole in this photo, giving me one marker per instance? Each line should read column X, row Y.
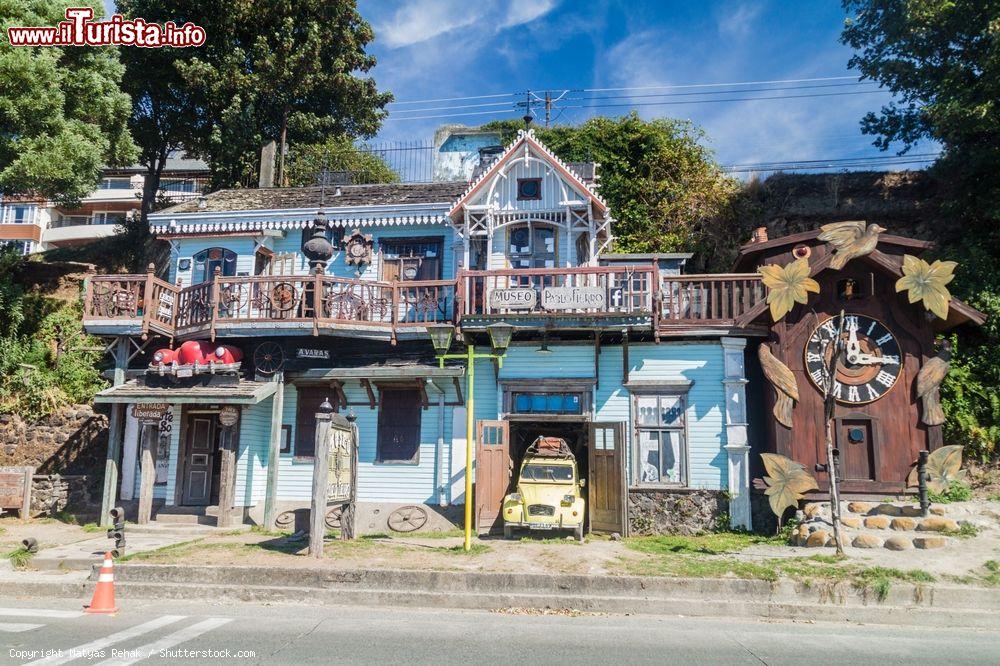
column 548, row 108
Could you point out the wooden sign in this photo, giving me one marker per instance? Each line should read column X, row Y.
column 229, row 415
column 149, row 412
column 165, row 305
column 573, row 298
column 340, row 463
column 513, row 299
column 15, row 489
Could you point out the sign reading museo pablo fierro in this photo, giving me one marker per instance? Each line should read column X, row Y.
column 573, row 298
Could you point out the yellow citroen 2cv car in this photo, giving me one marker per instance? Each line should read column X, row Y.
column 548, row 491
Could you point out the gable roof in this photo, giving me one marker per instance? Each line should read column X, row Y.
column 749, row 252
column 528, row 137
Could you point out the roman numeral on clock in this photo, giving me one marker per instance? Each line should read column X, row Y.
column 818, row 376
column 853, row 394
column 884, row 339
column 884, row 378
column 813, row 357
column 872, row 393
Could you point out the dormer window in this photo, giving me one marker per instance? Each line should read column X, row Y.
column 529, row 189
column 532, row 245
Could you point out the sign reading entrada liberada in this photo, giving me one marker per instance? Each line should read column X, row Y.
column 79, row 29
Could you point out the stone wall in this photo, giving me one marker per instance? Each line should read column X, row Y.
column 72, row 441
column 679, row 511
column 52, row 493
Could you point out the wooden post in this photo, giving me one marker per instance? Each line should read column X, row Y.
column 274, row 452
column 147, row 472
column 317, row 514
column 227, row 476
column 147, row 299
column 115, row 433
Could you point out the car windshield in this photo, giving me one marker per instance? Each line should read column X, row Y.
column 537, row 472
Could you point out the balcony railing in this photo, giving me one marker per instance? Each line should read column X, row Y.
column 593, row 295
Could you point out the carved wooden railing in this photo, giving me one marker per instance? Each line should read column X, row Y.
column 710, row 300
column 601, row 290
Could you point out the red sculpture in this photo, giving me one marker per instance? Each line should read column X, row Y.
column 196, row 356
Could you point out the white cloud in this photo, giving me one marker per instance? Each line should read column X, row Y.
column 520, row 12
column 737, row 20
column 420, row 21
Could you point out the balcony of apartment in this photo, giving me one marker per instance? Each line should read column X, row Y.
column 584, row 299
column 76, row 229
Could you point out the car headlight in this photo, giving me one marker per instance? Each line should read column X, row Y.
column 514, row 497
column 568, row 500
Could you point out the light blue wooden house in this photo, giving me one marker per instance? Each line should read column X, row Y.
column 329, row 293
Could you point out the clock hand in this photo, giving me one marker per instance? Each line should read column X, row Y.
column 868, row 359
column 853, row 346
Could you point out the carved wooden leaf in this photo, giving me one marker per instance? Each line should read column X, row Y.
column 786, row 482
column 787, row 285
column 926, row 282
column 944, row 465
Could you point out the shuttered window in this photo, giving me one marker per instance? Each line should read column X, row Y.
column 399, row 426
column 309, row 400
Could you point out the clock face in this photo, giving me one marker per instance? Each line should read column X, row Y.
column 870, row 365
column 357, row 249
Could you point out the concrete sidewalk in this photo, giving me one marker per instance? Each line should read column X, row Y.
column 904, row 604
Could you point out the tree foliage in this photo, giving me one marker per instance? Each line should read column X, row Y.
column 942, row 60
column 337, row 154
column 46, row 360
column 663, row 185
column 62, row 114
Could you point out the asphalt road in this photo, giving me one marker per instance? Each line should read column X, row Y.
column 36, row 631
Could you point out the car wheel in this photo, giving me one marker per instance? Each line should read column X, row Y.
column 578, row 532
column 508, row 532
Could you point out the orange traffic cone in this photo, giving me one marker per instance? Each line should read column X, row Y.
column 104, row 593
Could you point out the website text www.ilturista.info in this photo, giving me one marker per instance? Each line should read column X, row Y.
column 79, row 29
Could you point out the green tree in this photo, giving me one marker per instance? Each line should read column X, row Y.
column 62, row 114
column 290, row 70
column 665, row 189
column 308, row 161
column 942, row 60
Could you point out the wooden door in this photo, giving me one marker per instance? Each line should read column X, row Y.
column 606, row 494
column 856, row 443
column 493, row 469
column 197, row 482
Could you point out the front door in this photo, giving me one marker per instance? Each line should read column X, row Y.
column 493, row 468
column 200, row 460
column 606, row 496
column 855, row 440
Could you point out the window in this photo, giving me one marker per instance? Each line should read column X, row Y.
column 109, row 217
column 206, row 261
column 22, row 248
column 20, row 214
column 411, row 258
column 529, row 189
column 532, row 245
column 523, row 402
column 309, row 398
column 660, row 439
column 116, row 184
column 398, row 426
column 178, row 185
column 849, row 290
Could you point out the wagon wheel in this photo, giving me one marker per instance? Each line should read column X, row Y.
column 333, row 517
column 268, row 358
column 234, row 297
column 285, row 520
column 283, row 296
column 407, row 519
column 101, row 299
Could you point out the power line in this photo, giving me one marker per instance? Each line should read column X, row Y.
column 454, row 99
column 734, row 99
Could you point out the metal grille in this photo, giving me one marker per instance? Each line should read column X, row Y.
column 541, row 510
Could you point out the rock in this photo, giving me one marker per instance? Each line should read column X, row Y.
column 898, row 543
column 812, row 509
column 866, row 541
column 614, row 535
column 937, row 524
column 851, row 521
column 937, row 510
column 876, row 522
column 910, row 511
column 903, row 524
column 859, row 507
column 930, row 542
column 887, row 510
column 817, row 539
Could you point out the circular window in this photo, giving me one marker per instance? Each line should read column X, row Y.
column 856, row 435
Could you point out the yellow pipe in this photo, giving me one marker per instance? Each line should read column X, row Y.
column 470, row 375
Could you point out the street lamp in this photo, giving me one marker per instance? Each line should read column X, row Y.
column 441, row 335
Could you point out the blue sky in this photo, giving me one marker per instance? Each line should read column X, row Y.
column 452, row 48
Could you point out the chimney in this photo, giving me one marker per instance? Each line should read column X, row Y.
column 759, row 235
column 267, row 154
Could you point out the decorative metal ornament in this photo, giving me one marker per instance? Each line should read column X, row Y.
column 926, row 282
column 849, row 240
column 317, row 248
column 787, row 285
column 783, row 381
column 358, row 248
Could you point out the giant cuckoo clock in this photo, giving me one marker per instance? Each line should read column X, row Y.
column 895, row 305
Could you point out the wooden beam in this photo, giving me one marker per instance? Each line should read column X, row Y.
column 274, row 452
column 147, row 472
column 424, row 401
column 227, row 476
column 372, row 402
column 339, row 397
column 625, row 363
column 458, row 390
column 597, row 357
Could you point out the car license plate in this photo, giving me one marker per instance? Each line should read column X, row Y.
column 541, row 526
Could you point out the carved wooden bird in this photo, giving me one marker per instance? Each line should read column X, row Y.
column 783, row 381
column 850, row 240
column 929, row 381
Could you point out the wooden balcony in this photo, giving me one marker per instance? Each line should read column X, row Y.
column 588, row 298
